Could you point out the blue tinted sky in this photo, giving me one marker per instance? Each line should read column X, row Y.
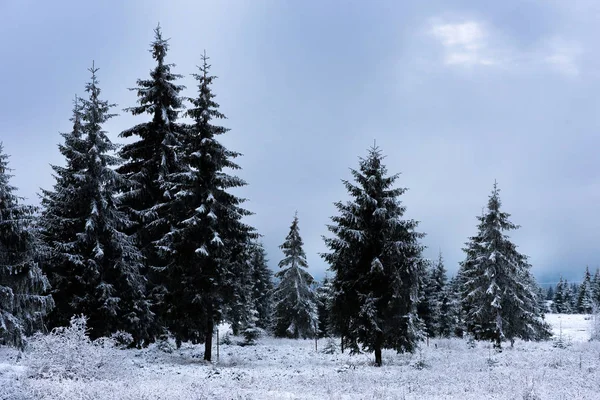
column 457, row 94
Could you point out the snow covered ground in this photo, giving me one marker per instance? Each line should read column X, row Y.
column 290, row 369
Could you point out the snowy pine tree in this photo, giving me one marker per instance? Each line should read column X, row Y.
column 456, row 309
column 426, row 308
column 99, row 266
column 24, row 298
column 324, row 298
column 376, row 258
column 262, row 286
column 295, row 303
column 499, row 293
column 207, row 235
column 561, row 303
column 570, row 297
column 241, row 312
column 596, row 288
column 442, row 303
column 585, row 299
column 550, row 293
column 149, row 162
column 63, row 216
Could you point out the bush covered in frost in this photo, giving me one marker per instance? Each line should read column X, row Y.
column 69, row 353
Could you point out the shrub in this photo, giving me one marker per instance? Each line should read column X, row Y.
column 68, row 353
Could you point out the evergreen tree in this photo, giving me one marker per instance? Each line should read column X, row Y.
column 241, row 312
column 499, row 293
column 150, row 161
column 550, row 293
column 561, row 303
column 376, row 258
column 24, row 298
column 570, row 297
column 262, row 286
column 324, row 294
column 295, row 301
column 456, row 309
column 585, row 300
column 596, row 288
column 208, row 239
column 442, row 300
column 426, row 308
column 101, row 279
column 64, row 209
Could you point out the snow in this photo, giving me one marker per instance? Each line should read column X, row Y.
column 292, row 369
column 575, row 327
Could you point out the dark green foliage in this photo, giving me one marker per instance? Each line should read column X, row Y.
column 585, row 298
column 324, row 298
column 205, row 247
column 376, row 258
column 426, row 308
column 97, row 271
column 596, row 288
column 443, row 324
column 149, row 163
column 24, row 298
column 499, row 294
column 562, row 302
column 294, row 298
column 550, row 293
column 262, row 286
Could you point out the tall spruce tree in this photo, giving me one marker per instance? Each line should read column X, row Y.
column 456, row 309
column 499, row 294
column 323, row 296
column 24, row 298
column 596, row 289
column 262, row 286
column 295, row 301
column 426, row 308
column 442, row 315
column 561, row 303
column 149, row 163
column 208, row 235
column 585, row 299
column 550, row 293
column 376, row 258
column 102, row 278
column 64, row 209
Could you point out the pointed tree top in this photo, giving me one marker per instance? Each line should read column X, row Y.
column 160, row 46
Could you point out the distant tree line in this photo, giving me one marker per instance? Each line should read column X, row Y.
column 148, row 238
column 583, row 298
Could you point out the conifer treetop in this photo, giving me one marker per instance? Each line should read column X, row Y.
column 292, row 247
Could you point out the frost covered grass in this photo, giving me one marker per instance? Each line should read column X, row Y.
column 291, row 369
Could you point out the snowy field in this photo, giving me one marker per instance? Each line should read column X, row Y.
column 289, row 369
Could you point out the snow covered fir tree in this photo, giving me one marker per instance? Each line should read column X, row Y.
column 499, row 294
column 24, row 297
column 376, row 259
column 95, row 265
column 262, row 286
column 585, row 298
column 153, row 245
column 295, row 303
column 207, row 236
column 150, row 161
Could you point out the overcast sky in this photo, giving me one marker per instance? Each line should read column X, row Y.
column 457, row 94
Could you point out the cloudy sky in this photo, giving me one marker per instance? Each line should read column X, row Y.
column 457, row 94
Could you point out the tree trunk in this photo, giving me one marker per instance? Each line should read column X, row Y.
column 342, row 344
column 378, row 355
column 210, row 327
